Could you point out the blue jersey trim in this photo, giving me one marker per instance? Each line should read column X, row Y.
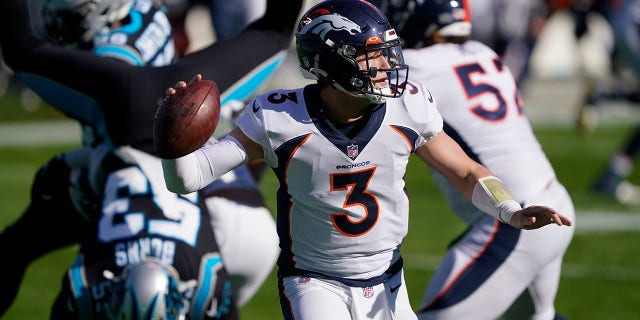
column 207, row 284
column 119, row 53
column 79, row 289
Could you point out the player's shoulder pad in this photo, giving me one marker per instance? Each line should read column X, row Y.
column 419, row 102
column 279, row 100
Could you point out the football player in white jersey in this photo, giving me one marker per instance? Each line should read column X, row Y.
column 482, row 110
column 339, row 148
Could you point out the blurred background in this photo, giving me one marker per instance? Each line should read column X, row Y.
column 576, row 94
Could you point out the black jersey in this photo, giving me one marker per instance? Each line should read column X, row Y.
column 138, row 218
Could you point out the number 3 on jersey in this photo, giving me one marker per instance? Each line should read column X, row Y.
column 356, row 183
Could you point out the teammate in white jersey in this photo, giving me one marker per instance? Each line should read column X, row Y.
column 339, row 149
column 483, row 111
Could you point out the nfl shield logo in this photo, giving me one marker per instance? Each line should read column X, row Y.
column 352, row 151
column 367, row 292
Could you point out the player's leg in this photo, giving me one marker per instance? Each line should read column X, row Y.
column 304, row 298
column 543, row 249
column 246, row 235
column 543, row 290
column 473, row 275
column 50, row 222
column 385, row 301
column 537, row 302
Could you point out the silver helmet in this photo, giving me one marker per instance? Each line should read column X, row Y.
column 148, row 290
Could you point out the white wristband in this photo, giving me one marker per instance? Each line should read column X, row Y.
column 492, row 197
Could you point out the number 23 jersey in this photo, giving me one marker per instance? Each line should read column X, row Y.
column 342, row 204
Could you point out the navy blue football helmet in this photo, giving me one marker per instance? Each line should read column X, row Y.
column 416, row 20
column 333, row 33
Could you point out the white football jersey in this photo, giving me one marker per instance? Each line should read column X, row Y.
column 342, row 204
column 483, row 111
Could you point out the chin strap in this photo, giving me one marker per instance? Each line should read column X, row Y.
column 373, row 98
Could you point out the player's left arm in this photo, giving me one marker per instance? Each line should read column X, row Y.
column 478, row 184
column 444, row 155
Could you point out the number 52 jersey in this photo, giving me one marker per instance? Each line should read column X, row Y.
column 484, row 112
column 342, row 205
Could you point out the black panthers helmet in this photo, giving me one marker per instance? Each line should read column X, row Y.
column 417, row 19
column 147, row 290
column 333, row 33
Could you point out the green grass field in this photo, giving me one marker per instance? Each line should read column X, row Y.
column 601, row 275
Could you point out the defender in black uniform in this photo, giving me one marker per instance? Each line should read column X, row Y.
column 134, row 218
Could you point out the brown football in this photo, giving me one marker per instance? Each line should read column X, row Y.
column 186, row 120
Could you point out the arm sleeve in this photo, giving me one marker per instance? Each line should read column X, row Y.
column 200, row 168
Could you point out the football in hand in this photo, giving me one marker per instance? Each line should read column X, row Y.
column 185, row 120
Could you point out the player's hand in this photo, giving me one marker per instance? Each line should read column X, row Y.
column 179, row 85
column 535, row 217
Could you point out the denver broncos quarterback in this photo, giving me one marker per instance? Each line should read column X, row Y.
column 340, row 148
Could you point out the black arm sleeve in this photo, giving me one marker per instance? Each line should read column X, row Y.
column 127, row 94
